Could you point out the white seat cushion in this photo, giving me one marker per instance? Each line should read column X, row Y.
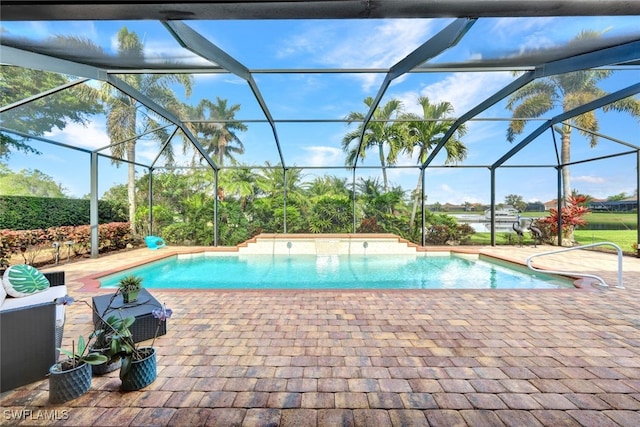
column 43, row 297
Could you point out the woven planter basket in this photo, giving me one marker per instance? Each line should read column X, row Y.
column 143, row 372
column 65, row 385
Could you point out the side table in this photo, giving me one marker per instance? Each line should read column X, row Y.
column 145, row 324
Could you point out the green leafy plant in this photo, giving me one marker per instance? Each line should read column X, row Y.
column 80, row 355
column 130, row 283
column 127, row 347
column 369, row 225
column 112, row 333
column 437, row 234
column 330, row 214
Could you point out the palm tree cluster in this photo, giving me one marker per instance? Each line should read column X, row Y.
column 261, row 200
column 393, row 132
column 127, row 119
column 276, row 199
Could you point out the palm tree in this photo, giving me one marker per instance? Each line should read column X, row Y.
column 218, row 136
column 375, row 201
column 380, row 132
column 424, row 133
column 328, row 185
column 123, row 122
column 241, row 183
column 269, row 212
column 369, row 191
column 272, row 182
column 567, row 91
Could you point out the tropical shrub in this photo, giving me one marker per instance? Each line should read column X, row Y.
column 369, row 225
column 462, row 233
column 572, row 216
column 161, row 218
column 179, row 233
column 448, row 233
column 395, row 224
column 331, row 214
column 437, row 234
column 114, row 236
column 233, row 226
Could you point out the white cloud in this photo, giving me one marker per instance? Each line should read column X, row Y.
column 445, row 193
column 94, row 136
column 466, row 90
column 589, row 179
column 91, row 136
column 446, row 188
column 378, row 47
column 322, row 156
column 159, row 51
column 359, row 44
column 536, row 32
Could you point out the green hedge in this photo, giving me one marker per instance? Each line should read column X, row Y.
column 29, row 213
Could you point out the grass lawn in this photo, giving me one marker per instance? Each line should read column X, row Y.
column 623, row 238
column 613, row 218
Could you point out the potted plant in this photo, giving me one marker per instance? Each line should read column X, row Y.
column 129, row 286
column 139, row 368
column 108, row 342
column 71, row 378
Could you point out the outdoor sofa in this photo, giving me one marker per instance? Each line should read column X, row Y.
column 30, row 331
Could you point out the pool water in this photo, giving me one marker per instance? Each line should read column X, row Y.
column 333, row 272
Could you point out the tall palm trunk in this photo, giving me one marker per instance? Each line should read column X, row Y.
column 385, row 182
column 131, row 186
column 565, row 157
column 222, row 149
column 416, row 198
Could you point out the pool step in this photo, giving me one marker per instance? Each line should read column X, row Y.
column 327, row 244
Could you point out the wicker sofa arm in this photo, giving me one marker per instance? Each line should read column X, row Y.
column 30, row 331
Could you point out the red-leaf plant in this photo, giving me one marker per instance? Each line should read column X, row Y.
column 572, row 216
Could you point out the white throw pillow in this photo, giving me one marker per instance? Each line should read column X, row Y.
column 3, row 295
column 23, row 280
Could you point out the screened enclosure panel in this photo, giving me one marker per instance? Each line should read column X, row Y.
column 206, row 98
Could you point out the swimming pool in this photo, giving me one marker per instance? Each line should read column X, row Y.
column 202, row 271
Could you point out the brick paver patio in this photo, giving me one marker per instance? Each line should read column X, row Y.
column 373, row 358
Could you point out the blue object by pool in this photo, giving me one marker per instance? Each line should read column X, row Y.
column 333, row 272
column 154, row 242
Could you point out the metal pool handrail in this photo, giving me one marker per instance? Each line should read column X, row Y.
column 620, row 286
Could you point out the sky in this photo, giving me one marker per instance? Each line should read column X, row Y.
column 353, row 44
